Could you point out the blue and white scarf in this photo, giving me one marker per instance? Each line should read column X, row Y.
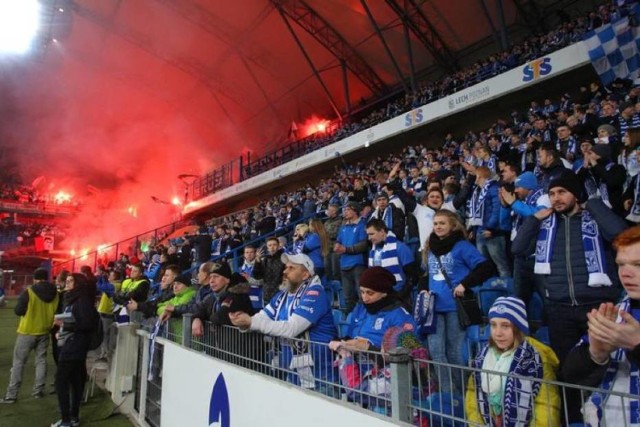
column 634, row 214
column 530, row 200
column 595, row 189
column 387, row 216
column 591, row 242
column 302, row 359
column 519, row 394
column 389, row 260
column 476, row 207
column 597, row 403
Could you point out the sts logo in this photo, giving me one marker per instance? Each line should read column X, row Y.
column 413, row 117
column 219, row 411
column 536, row 69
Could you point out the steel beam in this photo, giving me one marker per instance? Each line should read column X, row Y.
column 326, row 35
column 424, row 31
column 316, row 73
column 376, row 28
column 487, row 16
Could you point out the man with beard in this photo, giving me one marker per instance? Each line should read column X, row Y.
column 573, row 258
column 301, row 316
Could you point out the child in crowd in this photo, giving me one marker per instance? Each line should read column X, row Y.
column 506, row 400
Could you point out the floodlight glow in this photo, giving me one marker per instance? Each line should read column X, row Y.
column 19, row 22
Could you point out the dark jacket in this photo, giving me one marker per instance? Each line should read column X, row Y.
column 568, row 281
column 614, row 177
column 139, row 294
column 80, row 304
column 44, row 290
column 203, row 292
column 270, row 271
column 547, row 175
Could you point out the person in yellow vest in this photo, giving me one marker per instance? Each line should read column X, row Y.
column 36, row 307
column 136, row 287
column 108, row 286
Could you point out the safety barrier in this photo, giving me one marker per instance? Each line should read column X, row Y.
column 387, row 388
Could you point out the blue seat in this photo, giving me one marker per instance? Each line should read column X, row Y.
column 330, row 294
column 343, row 326
column 477, row 336
column 542, row 335
column 338, row 319
column 336, row 285
column 487, row 297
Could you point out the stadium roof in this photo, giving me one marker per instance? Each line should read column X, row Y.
column 230, row 76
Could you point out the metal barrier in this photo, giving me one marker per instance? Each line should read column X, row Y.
column 410, row 390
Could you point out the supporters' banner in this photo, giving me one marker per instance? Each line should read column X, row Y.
column 613, row 50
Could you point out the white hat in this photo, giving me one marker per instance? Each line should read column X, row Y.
column 300, row 259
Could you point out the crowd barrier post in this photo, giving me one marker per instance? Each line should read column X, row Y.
column 186, row 330
column 400, row 384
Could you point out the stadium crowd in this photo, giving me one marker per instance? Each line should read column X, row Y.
column 547, row 199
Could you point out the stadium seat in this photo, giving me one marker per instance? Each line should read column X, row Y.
column 542, row 335
column 493, row 288
column 336, row 285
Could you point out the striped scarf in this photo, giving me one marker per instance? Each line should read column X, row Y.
column 519, row 394
column 594, row 189
column 634, row 214
column 600, row 402
column 591, row 243
column 476, row 207
column 389, row 259
column 530, row 200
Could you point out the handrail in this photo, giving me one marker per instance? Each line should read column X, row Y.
column 82, row 259
column 237, row 251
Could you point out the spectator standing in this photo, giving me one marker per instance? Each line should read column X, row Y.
column 332, row 225
column 76, row 328
column 485, row 220
column 108, row 287
column 36, row 307
column 136, row 287
column 394, row 256
column 316, row 245
column 390, row 214
column 454, row 266
column 573, row 258
column 608, row 357
column 351, row 245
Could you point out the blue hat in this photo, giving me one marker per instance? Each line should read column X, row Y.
column 512, row 309
column 527, row 180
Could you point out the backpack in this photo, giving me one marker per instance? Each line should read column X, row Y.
column 97, row 334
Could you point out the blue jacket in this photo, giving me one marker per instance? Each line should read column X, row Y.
column 491, row 213
column 313, row 247
column 349, row 235
column 373, row 326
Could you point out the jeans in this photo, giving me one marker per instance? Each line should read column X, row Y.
column 24, row 345
column 445, row 346
column 332, row 266
column 350, row 285
column 495, row 249
column 109, row 339
column 70, row 378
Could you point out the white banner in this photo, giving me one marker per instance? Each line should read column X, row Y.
column 198, row 390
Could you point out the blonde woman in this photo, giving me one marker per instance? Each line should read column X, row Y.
column 317, row 245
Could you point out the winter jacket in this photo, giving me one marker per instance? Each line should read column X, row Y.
column 568, row 281
column 545, row 410
column 76, row 335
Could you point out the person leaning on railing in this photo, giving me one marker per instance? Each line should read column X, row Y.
column 136, row 287
column 609, row 356
column 380, row 310
column 302, row 313
column 506, row 400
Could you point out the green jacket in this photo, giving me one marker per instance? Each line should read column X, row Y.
column 180, row 298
